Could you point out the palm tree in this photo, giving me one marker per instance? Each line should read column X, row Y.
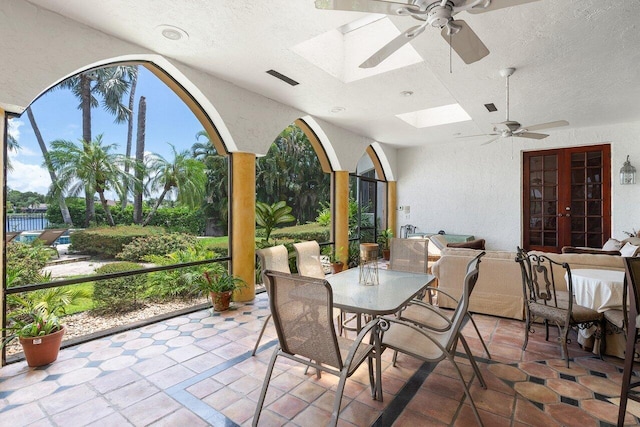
column 64, row 210
column 12, row 145
column 109, row 85
column 184, row 174
column 132, row 94
column 89, row 166
column 217, row 170
column 140, row 141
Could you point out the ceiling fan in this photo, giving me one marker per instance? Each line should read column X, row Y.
column 432, row 13
column 510, row 128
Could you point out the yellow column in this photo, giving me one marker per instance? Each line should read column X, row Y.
column 340, row 204
column 3, row 137
column 243, row 222
column 392, row 200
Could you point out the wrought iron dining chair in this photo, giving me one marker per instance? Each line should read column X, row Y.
column 432, row 346
column 544, row 301
column 629, row 388
column 412, row 255
column 275, row 258
column 308, row 259
column 302, row 313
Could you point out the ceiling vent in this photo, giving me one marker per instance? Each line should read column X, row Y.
column 491, row 107
column 282, row 77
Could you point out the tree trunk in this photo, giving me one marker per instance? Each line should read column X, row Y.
column 85, row 90
column 155, row 208
column 64, row 210
column 137, row 200
column 132, row 93
column 107, row 211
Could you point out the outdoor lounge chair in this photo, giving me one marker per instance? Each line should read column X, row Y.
column 48, row 237
column 11, row 235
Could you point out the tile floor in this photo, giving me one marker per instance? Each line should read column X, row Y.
column 196, row 370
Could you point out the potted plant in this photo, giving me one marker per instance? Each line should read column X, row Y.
column 220, row 286
column 384, row 239
column 39, row 332
column 336, row 264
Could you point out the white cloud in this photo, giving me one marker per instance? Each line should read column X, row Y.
column 25, row 177
column 14, row 128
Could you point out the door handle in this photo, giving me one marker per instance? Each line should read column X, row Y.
column 560, row 214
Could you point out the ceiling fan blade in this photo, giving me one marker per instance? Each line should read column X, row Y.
column 369, row 6
column 531, row 135
column 385, row 51
column 490, row 141
column 465, row 42
column 475, row 136
column 546, row 125
column 498, row 4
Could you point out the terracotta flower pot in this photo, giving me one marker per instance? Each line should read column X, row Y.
column 221, row 300
column 386, row 254
column 337, row 267
column 40, row 351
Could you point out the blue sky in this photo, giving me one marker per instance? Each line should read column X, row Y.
column 57, row 116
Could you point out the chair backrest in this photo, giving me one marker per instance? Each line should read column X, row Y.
column 49, row 236
column 538, row 279
column 470, row 279
column 632, row 270
column 409, row 255
column 275, row 258
column 302, row 309
column 308, row 259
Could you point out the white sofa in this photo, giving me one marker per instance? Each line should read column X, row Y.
column 498, row 291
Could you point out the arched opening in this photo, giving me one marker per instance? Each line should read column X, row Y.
column 154, row 172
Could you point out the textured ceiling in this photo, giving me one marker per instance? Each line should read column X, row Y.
column 576, row 60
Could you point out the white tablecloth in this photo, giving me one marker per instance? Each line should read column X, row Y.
column 600, row 290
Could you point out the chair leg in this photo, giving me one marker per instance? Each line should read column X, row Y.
column 627, row 372
column 564, row 336
column 473, row 322
column 527, row 326
column 338, row 399
column 473, row 362
column 264, row 326
column 263, row 392
column 395, row 358
column 466, row 390
column 372, row 380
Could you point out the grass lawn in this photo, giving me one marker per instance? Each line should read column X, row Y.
column 82, row 304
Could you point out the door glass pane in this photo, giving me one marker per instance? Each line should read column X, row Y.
column 577, row 160
column 535, row 178
column 594, row 240
column 535, row 238
column 550, row 177
column 577, row 239
column 594, row 224
column 577, row 192
column 577, row 176
column 550, row 193
column 577, row 208
column 536, row 223
column 593, row 192
column 551, row 162
column 551, row 208
column 593, row 175
column 594, row 158
column 536, row 208
column 535, row 163
column 550, row 223
column 577, row 223
column 550, row 239
column 594, row 208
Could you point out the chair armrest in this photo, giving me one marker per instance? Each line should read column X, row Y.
column 432, row 309
column 358, row 340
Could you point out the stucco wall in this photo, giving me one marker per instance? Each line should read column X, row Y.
column 469, row 188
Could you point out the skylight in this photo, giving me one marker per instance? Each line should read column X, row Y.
column 436, row 116
column 340, row 51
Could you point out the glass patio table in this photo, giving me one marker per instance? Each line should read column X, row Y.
column 394, row 291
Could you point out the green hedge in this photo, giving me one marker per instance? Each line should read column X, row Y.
column 178, row 220
column 107, row 242
column 160, row 244
column 119, row 294
column 299, row 233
